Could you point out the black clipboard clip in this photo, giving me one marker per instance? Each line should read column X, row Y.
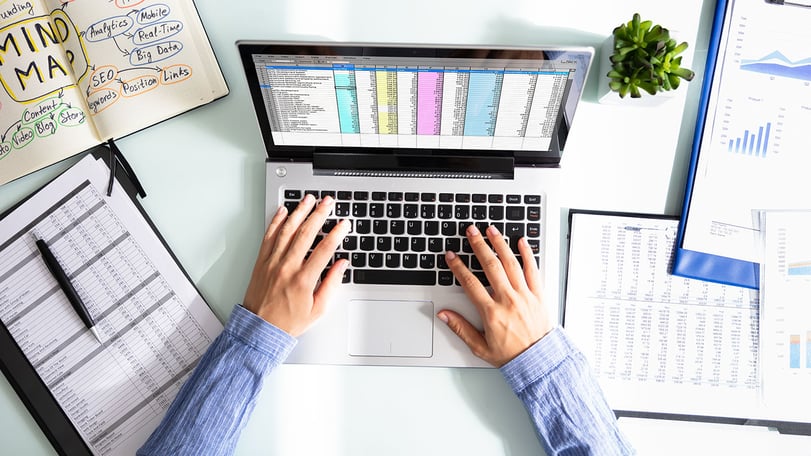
column 801, row 4
column 116, row 157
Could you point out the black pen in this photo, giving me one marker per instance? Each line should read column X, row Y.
column 64, row 283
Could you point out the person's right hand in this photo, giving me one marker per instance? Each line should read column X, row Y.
column 513, row 315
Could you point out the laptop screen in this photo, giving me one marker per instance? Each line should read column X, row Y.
column 495, row 100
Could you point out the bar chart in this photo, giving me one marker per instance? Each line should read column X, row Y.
column 753, row 142
column 795, row 345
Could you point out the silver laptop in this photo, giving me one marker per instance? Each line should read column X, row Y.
column 415, row 143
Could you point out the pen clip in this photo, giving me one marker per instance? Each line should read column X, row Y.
column 116, row 157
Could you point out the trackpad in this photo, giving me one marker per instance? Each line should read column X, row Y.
column 391, row 328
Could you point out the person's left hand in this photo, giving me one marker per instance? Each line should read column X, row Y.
column 284, row 288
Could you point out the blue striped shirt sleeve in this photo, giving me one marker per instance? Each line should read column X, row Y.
column 567, row 406
column 214, row 404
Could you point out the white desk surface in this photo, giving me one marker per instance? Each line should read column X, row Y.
column 204, row 172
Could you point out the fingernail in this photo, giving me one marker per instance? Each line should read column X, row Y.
column 492, row 230
column 524, row 241
column 327, row 200
column 473, row 231
column 442, row 317
column 307, row 197
column 281, row 210
column 449, row 255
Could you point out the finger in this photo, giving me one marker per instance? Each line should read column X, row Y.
column 531, row 271
column 309, row 230
column 269, row 241
column 508, row 261
column 326, row 290
column 490, row 263
column 325, row 250
column 466, row 331
column 290, row 227
column 471, row 285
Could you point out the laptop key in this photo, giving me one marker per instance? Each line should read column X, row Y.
column 395, row 196
column 409, row 261
column 350, row 243
column 448, row 228
column 446, row 197
column 479, row 212
column 380, row 227
column 513, row 199
column 412, row 196
column 496, row 212
column 359, row 210
column 417, row 244
column 290, row 205
column 445, row 211
column 399, row 277
column 401, row 244
column 342, row 209
column 377, row 210
column 393, row 210
column 453, row 244
column 397, row 227
column 427, row 211
column 360, row 196
column 533, row 213
column 431, row 228
column 427, row 261
column 383, row 243
column 532, row 199
column 410, row 211
column 435, row 245
column 441, row 262
column 392, row 260
column 367, row 243
column 378, row 196
column 427, row 197
column 533, row 230
column 358, row 260
column 326, row 193
column 344, row 196
column 292, row 194
column 462, row 197
column 414, row 227
column 479, row 198
column 363, row 226
column 515, row 213
column 445, row 278
column 495, row 199
column 375, row 260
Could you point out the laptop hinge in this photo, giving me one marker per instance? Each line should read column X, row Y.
column 435, row 166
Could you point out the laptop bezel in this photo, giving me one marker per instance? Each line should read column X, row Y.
column 247, row 49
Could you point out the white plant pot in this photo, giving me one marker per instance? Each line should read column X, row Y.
column 606, row 96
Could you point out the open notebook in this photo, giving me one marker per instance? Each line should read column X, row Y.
column 75, row 74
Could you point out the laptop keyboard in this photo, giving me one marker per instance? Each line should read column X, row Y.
column 400, row 238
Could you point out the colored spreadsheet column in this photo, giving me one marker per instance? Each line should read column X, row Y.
column 794, row 351
column 387, row 101
column 483, row 95
column 429, row 102
column 346, row 93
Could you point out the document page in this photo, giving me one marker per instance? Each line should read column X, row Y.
column 658, row 343
column 786, row 292
column 754, row 148
column 153, row 324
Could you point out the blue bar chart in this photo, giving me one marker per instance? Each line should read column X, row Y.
column 753, row 142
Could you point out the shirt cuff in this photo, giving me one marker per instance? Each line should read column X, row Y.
column 538, row 360
column 260, row 335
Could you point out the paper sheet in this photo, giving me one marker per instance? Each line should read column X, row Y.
column 658, row 343
column 754, row 149
column 787, row 311
column 153, row 323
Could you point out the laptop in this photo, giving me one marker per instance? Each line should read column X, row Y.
column 415, row 143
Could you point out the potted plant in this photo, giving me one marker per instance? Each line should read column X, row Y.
column 643, row 57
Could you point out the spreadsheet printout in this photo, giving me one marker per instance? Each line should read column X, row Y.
column 153, row 323
column 786, row 288
column 655, row 341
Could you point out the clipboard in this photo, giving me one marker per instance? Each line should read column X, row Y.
column 29, row 385
column 690, row 263
column 639, row 327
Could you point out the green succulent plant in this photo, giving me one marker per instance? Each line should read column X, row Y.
column 645, row 57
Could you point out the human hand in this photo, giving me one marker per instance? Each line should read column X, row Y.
column 513, row 315
column 284, row 288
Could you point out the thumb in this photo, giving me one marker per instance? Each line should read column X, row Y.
column 466, row 331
